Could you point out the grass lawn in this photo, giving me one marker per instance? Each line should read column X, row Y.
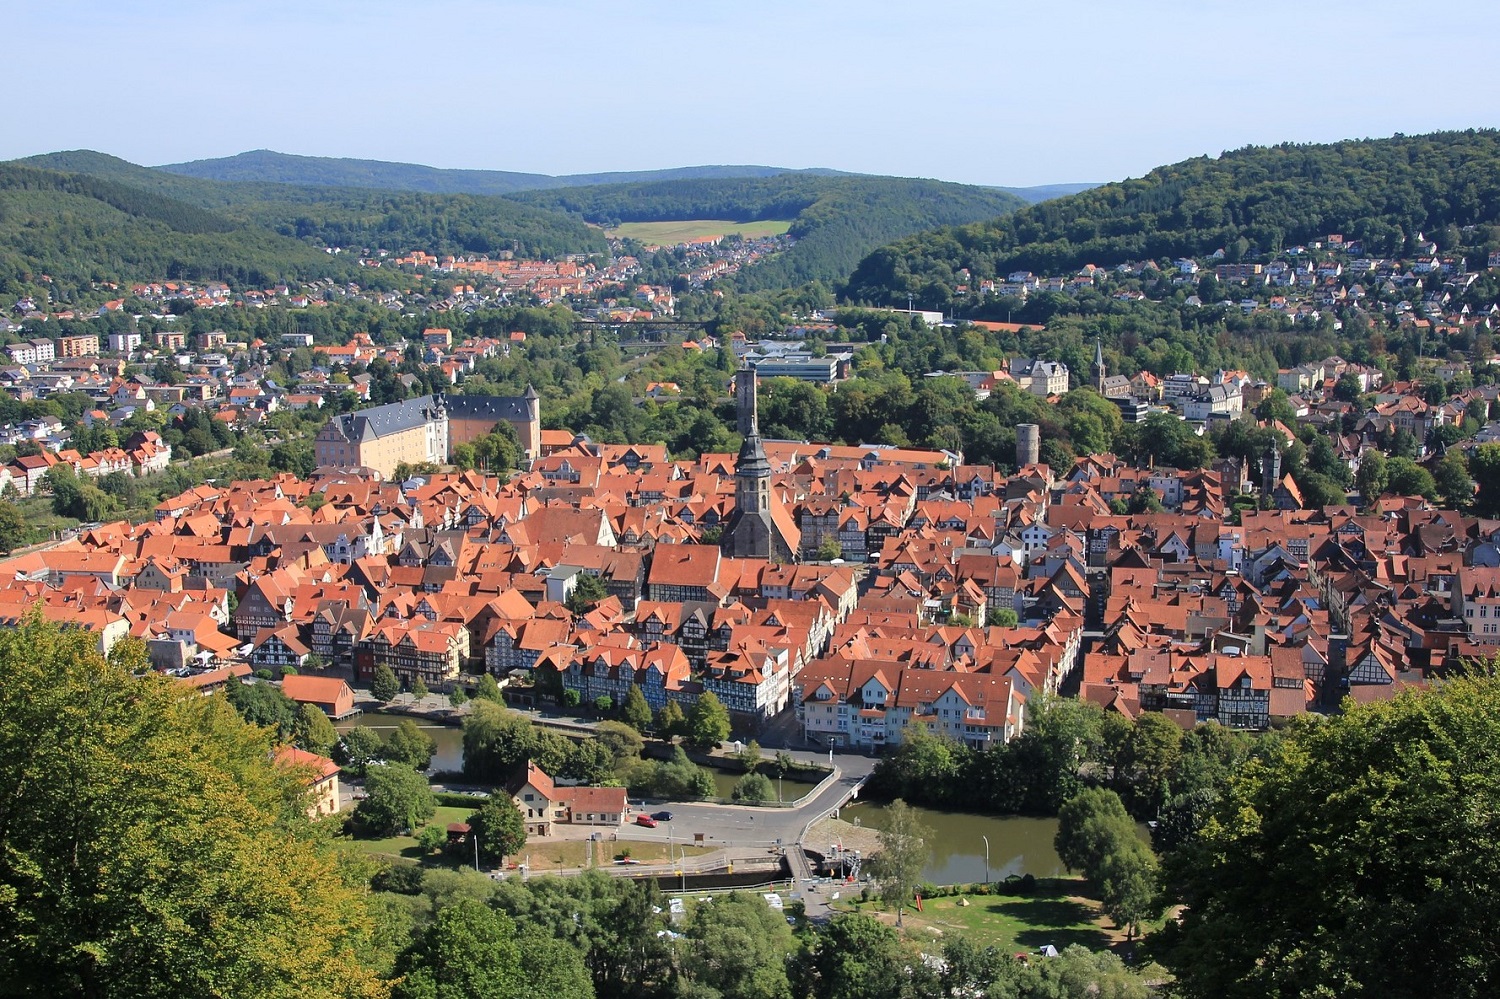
column 1056, row 913
column 672, row 233
column 395, row 847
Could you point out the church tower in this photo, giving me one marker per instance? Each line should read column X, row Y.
column 752, row 531
column 1270, row 470
column 746, row 384
column 1097, row 370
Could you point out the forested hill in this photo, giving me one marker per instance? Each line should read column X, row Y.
column 264, row 165
column 79, row 229
column 268, row 166
column 836, row 220
column 358, row 217
column 1251, row 202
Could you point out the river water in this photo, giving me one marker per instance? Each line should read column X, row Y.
column 449, row 738
column 1018, row 844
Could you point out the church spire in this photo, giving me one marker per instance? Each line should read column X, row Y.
column 1097, row 371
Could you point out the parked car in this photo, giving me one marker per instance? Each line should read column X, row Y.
column 645, row 820
column 662, row 816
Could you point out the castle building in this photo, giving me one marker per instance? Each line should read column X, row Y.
column 424, row 429
column 473, row 416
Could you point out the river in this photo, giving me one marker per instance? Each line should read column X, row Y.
column 449, row 738
column 1017, row 844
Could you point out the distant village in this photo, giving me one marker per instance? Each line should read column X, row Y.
column 861, row 588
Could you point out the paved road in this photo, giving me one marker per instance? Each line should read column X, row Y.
column 740, row 825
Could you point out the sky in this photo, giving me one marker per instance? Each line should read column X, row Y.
column 994, row 92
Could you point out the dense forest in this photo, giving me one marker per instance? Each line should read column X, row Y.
column 1251, row 203
column 355, row 217
column 78, row 230
column 267, row 166
column 835, row 220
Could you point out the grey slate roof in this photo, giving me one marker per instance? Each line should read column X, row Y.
column 487, row 407
column 382, row 421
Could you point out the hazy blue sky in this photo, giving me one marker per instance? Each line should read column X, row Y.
column 993, row 93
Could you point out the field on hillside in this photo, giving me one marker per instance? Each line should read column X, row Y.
column 672, row 233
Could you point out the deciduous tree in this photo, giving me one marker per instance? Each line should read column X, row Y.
column 1357, row 859
column 708, row 723
column 902, row 855
column 149, row 846
column 500, row 828
column 398, row 798
column 383, row 685
column 636, row 712
column 313, row 731
column 410, row 745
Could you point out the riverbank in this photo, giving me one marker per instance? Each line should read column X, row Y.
column 1057, row 912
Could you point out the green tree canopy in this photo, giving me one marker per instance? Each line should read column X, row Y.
column 588, row 590
column 708, row 722
column 903, row 853
column 753, row 787
column 358, row 747
column 383, row 685
column 397, row 798
column 500, row 828
column 313, row 731
column 636, row 712
column 1356, row 860
column 738, row 946
column 670, row 721
column 487, row 689
column 410, row 745
column 136, row 813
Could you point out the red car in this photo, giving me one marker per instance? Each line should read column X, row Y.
column 645, row 820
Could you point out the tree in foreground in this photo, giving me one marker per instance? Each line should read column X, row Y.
column 398, row 799
column 738, row 947
column 1362, row 858
column 149, row 846
column 359, row 747
column 753, row 787
column 853, row 957
column 635, row 711
column 897, row 867
column 670, row 721
column 383, row 685
column 410, row 745
column 500, row 828
column 470, row 951
column 313, row 731
column 708, row 722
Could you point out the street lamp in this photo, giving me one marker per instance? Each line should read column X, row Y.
column 986, row 857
